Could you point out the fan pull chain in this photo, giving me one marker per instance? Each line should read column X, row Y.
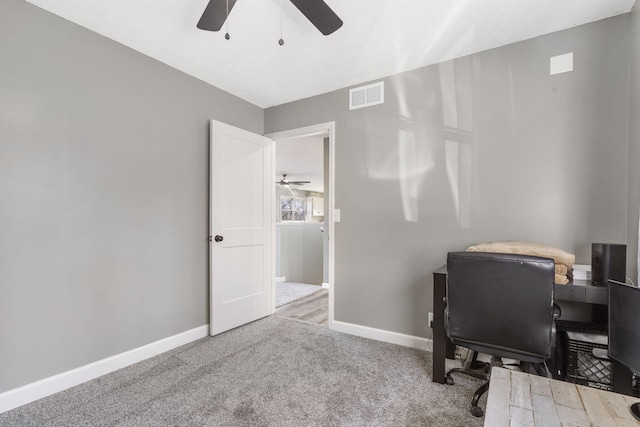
column 227, row 36
column 281, row 41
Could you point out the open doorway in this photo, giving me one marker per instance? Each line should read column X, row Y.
column 303, row 179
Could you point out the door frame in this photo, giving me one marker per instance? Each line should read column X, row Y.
column 319, row 129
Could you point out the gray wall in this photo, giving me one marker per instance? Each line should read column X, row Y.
column 103, row 195
column 634, row 144
column 486, row 147
column 301, row 252
column 299, row 246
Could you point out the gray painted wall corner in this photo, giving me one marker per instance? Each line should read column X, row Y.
column 486, row 147
column 104, row 194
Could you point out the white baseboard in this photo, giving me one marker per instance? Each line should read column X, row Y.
column 382, row 335
column 281, row 279
column 28, row 393
column 325, row 285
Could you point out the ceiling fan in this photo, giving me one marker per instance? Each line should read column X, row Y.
column 285, row 182
column 316, row 11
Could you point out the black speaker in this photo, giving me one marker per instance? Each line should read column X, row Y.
column 608, row 261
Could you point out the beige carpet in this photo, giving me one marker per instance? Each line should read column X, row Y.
column 287, row 292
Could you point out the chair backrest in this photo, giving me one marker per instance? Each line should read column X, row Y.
column 501, row 304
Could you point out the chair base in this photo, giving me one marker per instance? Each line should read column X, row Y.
column 475, row 374
column 476, row 411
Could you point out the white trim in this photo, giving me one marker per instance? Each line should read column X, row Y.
column 304, row 223
column 331, row 220
column 328, row 129
column 302, row 132
column 272, row 222
column 325, row 285
column 28, row 393
column 383, row 335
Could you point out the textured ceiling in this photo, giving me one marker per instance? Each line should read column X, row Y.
column 302, row 160
column 379, row 37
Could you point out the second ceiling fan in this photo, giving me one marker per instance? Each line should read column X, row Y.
column 316, row 11
column 284, row 182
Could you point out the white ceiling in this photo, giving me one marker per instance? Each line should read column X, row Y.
column 302, row 160
column 379, row 37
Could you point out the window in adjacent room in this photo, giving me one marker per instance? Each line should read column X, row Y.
column 291, row 208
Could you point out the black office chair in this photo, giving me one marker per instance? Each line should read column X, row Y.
column 500, row 305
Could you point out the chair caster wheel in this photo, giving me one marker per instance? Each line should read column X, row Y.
column 476, row 411
column 449, row 380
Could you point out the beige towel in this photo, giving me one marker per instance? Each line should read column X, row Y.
column 527, row 248
column 562, row 269
column 561, row 279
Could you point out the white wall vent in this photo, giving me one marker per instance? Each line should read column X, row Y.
column 366, row 96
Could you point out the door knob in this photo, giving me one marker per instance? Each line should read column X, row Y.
column 218, row 238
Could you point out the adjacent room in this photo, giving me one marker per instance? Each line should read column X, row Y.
column 241, row 212
column 302, row 263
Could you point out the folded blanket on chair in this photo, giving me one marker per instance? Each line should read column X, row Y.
column 563, row 260
column 562, row 269
column 527, row 248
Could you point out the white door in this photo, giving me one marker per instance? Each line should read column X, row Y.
column 242, row 193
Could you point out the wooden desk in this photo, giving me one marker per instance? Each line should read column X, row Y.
column 579, row 291
column 519, row 399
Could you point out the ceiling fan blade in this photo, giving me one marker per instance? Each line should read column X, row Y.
column 215, row 14
column 299, row 182
column 320, row 15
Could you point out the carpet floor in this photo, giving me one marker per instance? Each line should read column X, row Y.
column 287, row 292
column 272, row 372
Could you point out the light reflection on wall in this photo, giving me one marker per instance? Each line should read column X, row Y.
column 406, row 158
column 457, row 119
column 414, row 161
column 393, row 139
column 405, row 147
column 410, row 174
column 459, row 173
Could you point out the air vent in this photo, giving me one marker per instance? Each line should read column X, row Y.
column 366, row 96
